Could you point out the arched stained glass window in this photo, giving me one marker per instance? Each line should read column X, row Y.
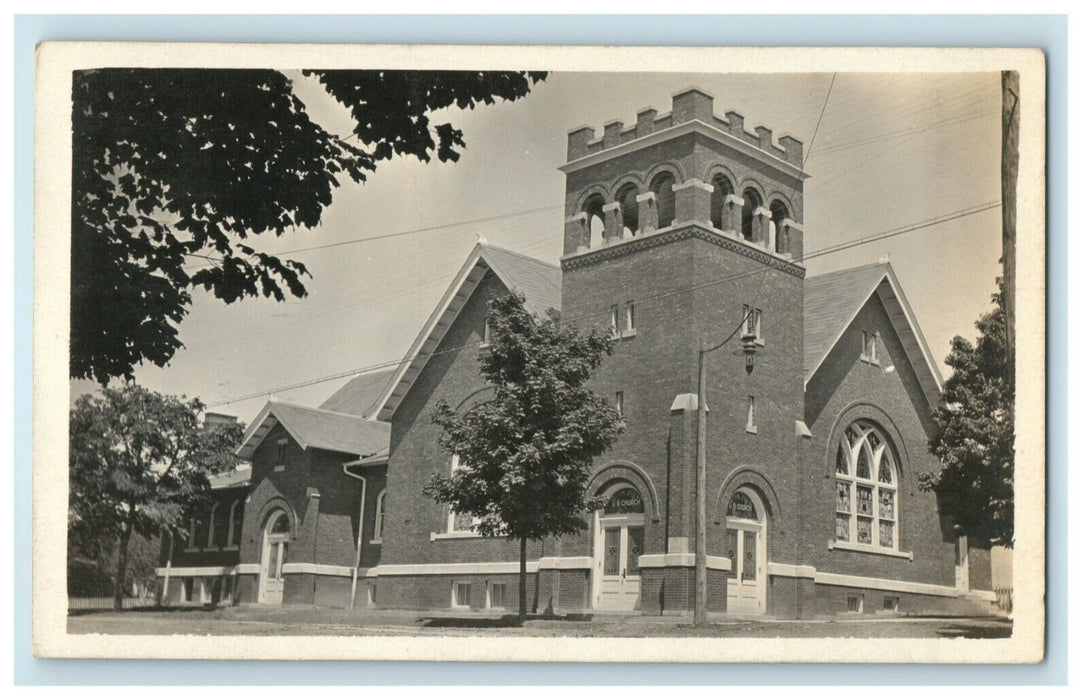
column 866, row 488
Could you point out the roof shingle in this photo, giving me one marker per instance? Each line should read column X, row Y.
column 358, row 396
column 831, row 301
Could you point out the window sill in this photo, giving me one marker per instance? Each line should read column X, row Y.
column 866, row 359
column 377, row 541
column 455, row 536
column 630, row 333
column 231, row 548
column 750, row 429
column 484, row 346
column 870, row 549
column 279, row 468
column 211, row 548
column 190, row 550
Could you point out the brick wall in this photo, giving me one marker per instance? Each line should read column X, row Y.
column 895, row 400
column 453, row 374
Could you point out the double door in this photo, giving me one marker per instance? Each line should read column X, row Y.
column 620, row 544
column 745, row 588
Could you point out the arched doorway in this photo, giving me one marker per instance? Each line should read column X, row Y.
column 618, row 543
column 746, row 548
column 277, row 535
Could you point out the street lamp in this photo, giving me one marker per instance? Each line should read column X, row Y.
column 748, row 348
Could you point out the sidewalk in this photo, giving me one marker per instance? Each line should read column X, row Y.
column 300, row 620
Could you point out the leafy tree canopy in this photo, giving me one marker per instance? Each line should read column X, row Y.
column 525, row 454
column 975, row 434
column 139, row 461
column 180, row 166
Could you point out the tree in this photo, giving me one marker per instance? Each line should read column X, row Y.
column 139, row 461
column 975, row 434
column 525, row 453
column 176, row 167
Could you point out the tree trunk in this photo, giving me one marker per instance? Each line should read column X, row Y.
column 122, row 564
column 522, row 580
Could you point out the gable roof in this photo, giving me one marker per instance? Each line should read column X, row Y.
column 537, row 280
column 317, row 428
column 358, row 396
column 833, row 300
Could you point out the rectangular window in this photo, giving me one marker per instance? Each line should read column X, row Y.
column 620, row 403
column 462, row 594
column 631, row 316
column 497, row 595
column 854, row 604
column 281, row 454
column 487, row 335
column 892, row 603
column 372, row 595
column 750, row 422
column 187, row 589
column 873, row 349
column 614, row 320
column 865, row 345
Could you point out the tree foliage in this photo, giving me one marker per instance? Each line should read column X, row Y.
column 172, row 168
column 139, row 461
column 975, row 434
column 526, row 452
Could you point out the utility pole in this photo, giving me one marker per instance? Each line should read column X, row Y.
column 1011, row 120
column 700, row 613
column 748, row 347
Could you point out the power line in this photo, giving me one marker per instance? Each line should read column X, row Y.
column 367, row 239
column 889, row 233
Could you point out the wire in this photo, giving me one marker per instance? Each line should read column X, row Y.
column 828, row 250
column 408, row 232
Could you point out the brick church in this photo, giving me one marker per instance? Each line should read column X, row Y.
column 677, row 227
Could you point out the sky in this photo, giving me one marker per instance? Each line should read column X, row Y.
column 889, row 150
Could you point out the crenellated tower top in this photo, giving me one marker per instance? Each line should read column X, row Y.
column 690, row 104
column 688, row 167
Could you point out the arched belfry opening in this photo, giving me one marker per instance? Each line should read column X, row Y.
column 779, row 214
column 722, row 189
column 662, row 187
column 594, row 208
column 629, row 209
column 752, row 203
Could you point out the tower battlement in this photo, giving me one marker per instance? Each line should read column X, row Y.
column 690, row 104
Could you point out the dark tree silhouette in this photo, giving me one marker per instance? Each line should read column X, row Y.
column 139, row 461
column 176, row 167
column 975, row 434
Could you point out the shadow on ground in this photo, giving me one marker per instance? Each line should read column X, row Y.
column 495, row 623
column 975, row 632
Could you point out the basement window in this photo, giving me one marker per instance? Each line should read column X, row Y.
column 854, row 604
column 497, row 595
column 892, row 603
column 461, row 594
